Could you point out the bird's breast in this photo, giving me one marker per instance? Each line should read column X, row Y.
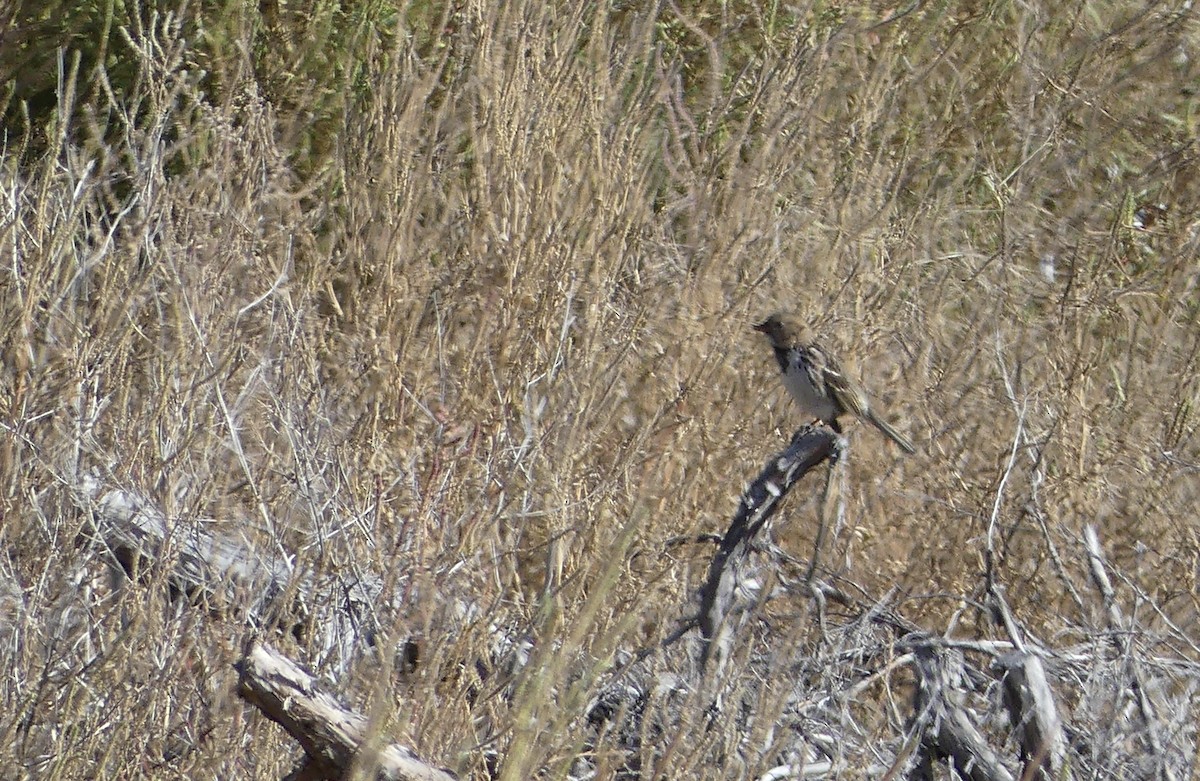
column 814, row 403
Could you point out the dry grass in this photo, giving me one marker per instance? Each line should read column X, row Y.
column 478, row 304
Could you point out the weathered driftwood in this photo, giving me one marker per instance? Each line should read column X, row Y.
column 334, row 737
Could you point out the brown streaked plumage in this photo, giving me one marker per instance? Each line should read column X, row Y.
column 816, row 381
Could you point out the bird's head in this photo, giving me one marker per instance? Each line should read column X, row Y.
column 782, row 331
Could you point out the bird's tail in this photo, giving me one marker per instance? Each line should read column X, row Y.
column 892, row 434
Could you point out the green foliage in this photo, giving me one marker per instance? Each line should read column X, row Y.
column 312, row 62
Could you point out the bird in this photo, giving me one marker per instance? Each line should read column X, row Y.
column 817, row 383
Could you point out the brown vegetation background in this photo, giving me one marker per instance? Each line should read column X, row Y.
column 459, row 295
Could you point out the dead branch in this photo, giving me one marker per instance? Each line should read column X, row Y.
column 1030, row 704
column 721, row 610
column 1118, row 632
column 332, row 735
column 948, row 731
column 230, row 577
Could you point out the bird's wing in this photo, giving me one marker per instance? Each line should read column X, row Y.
column 850, row 396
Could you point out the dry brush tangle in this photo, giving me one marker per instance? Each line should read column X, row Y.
column 776, row 701
column 416, row 339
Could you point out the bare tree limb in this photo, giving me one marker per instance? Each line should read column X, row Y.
column 1031, row 709
column 949, row 731
column 332, row 735
column 1118, row 634
column 729, row 572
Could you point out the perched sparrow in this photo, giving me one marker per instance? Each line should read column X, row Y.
column 816, row 381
